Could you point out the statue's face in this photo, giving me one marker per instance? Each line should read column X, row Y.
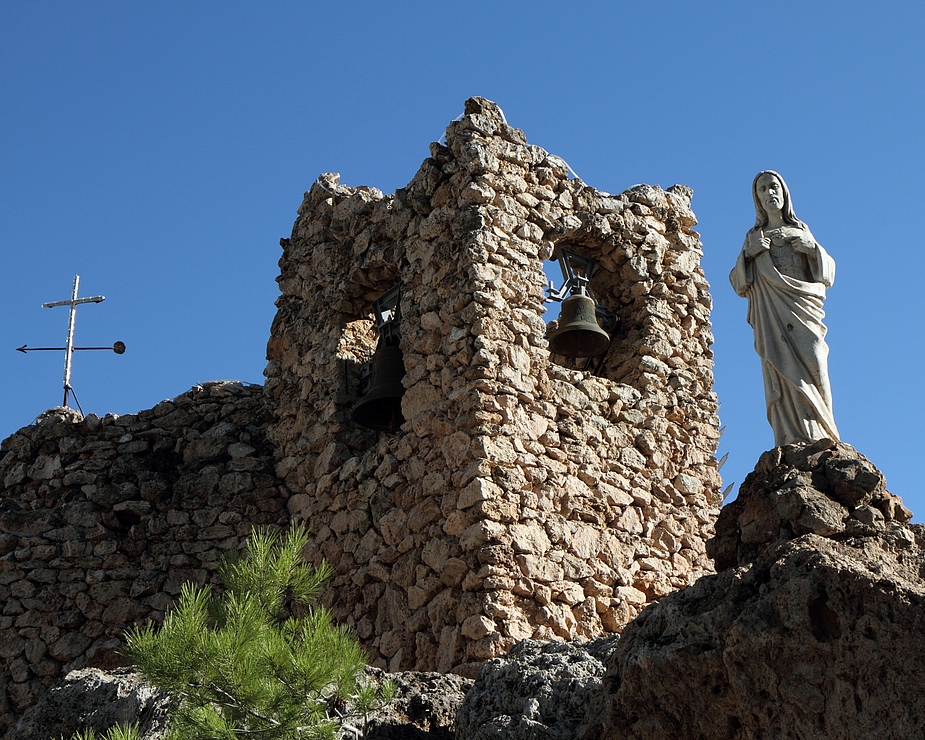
column 770, row 192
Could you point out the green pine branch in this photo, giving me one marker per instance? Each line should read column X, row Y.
column 261, row 660
column 119, row 732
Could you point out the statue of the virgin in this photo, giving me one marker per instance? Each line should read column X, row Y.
column 784, row 272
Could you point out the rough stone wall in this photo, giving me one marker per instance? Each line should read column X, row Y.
column 524, row 496
column 103, row 519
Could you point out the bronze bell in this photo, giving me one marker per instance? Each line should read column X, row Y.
column 578, row 333
column 380, row 406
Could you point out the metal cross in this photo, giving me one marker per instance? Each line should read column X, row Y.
column 69, row 349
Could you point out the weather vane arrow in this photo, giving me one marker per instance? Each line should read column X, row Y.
column 118, row 348
column 69, row 348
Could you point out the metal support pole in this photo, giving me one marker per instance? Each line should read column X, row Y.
column 69, row 344
column 69, row 348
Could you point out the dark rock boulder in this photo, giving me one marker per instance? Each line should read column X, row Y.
column 93, row 699
column 813, row 628
column 424, row 707
column 825, row 488
column 538, row 691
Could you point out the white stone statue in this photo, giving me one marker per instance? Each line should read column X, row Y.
column 784, row 271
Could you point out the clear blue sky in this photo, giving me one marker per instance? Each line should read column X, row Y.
column 160, row 150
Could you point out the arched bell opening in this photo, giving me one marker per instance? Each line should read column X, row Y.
column 356, row 348
column 380, row 387
column 584, row 330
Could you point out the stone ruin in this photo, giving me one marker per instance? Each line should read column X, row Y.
column 525, row 495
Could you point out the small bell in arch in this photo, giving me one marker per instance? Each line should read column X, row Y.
column 578, row 333
column 379, row 408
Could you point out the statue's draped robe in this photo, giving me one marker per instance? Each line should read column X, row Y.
column 786, row 314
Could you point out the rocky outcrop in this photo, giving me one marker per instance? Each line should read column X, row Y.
column 826, row 488
column 424, row 707
column 816, row 639
column 818, row 633
column 538, row 691
column 93, row 699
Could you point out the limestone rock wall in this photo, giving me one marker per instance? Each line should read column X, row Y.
column 525, row 495
column 103, row 519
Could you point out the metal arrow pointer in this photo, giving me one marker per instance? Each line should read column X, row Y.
column 69, row 348
column 118, row 348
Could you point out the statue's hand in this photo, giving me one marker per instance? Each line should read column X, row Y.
column 800, row 239
column 756, row 243
column 803, row 244
column 786, row 233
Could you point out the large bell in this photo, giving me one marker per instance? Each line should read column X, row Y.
column 380, row 406
column 578, row 333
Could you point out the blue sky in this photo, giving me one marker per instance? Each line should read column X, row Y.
column 160, row 150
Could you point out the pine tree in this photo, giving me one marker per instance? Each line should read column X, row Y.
column 261, row 660
column 119, row 732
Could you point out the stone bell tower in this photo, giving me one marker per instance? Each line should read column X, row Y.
column 525, row 494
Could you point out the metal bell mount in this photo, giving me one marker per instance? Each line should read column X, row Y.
column 578, row 333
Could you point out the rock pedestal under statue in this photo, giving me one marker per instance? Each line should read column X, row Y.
column 813, row 628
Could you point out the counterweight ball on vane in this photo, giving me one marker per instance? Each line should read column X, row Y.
column 380, row 406
column 578, row 333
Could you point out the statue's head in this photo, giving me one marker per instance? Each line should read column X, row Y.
column 762, row 179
